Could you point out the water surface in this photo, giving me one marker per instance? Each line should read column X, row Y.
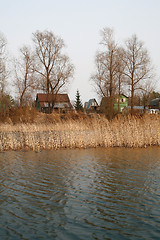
column 80, row 194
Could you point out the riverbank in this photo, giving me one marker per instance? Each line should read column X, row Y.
column 95, row 131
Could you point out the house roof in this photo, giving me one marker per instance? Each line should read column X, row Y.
column 90, row 102
column 123, row 95
column 154, row 102
column 136, row 107
column 42, row 97
column 60, row 99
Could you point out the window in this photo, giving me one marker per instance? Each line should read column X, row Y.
column 46, row 104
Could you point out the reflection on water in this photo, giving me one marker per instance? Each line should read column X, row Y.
column 80, row 194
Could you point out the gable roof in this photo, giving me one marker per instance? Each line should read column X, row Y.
column 59, row 98
column 123, row 95
column 90, row 103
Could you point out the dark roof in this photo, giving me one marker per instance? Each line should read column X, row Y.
column 154, row 102
column 59, row 98
column 90, row 102
column 123, row 95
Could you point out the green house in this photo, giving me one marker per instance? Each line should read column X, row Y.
column 120, row 103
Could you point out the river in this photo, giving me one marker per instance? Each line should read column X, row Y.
column 84, row 194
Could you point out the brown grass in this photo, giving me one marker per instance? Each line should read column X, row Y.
column 55, row 131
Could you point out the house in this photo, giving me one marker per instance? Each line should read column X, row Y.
column 46, row 102
column 91, row 105
column 154, row 103
column 154, row 106
column 119, row 103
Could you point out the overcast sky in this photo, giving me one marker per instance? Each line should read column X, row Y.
column 79, row 22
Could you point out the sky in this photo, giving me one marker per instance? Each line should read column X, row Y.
column 78, row 23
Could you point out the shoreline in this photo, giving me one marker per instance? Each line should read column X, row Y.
column 97, row 132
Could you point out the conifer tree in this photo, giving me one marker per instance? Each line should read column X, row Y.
column 78, row 104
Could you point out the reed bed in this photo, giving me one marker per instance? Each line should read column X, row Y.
column 95, row 131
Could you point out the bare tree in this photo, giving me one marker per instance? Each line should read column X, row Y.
column 53, row 67
column 121, row 80
column 3, row 71
column 24, row 71
column 4, row 98
column 146, row 91
column 105, row 79
column 106, row 65
column 3, row 44
column 138, row 68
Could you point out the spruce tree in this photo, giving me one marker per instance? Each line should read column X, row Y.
column 78, row 104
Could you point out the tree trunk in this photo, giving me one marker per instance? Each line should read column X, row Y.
column 132, row 100
column 119, row 96
column 21, row 98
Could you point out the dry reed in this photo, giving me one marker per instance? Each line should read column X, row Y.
column 85, row 132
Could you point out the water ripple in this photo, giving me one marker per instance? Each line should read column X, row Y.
column 80, row 194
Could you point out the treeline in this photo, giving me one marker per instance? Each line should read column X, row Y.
column 44, row 66
column 123, row 69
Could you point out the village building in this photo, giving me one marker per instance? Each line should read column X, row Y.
column 154, row 103
column 120, row 102
column 154, row 106
column 91, row 105
column 47, row 102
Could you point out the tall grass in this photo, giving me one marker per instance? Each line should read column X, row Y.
column 81, row 132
